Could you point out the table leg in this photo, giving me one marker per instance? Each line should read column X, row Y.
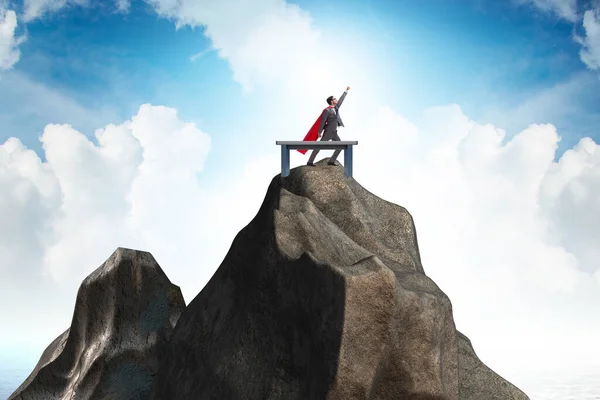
column 285, row 160
column 348, row 160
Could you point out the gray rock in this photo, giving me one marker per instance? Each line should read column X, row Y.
column 477, row 381
column 124, row 315
column 321, row 296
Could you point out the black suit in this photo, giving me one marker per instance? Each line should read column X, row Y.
column 330, row 120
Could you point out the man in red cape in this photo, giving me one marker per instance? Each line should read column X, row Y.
column 329, row 120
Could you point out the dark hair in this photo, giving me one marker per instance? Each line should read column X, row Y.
column 329, row 100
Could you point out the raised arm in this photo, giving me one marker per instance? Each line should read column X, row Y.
column 342, row 97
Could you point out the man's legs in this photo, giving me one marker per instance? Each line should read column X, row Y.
column 311, row 159
column 337, row 152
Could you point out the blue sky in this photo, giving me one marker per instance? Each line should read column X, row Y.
column 433, row 83
column 489, row 57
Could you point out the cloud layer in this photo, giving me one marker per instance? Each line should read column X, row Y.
column 590, row 52
column 506, row 232
column 9, row 42
column 566, row 9
column 499, row 223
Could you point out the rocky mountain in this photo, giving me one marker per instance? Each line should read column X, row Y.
column 321, row 296
column 124, row 315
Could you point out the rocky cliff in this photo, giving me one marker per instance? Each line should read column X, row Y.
column 321, row 296
column 124, row 315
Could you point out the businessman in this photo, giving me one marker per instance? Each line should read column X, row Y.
column 330, row 120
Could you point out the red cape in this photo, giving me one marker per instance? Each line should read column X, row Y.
column 313, row 133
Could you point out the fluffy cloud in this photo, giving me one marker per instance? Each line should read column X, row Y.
column 246, row 37
column 123, row 5
column 38, row 8
column 566, row 9
column 590, row 52
column 571, row 199
column 34, row 9
column 508, row 233
column 539, row 214
column 135, row 187
column 9, row 51
column 270, row 43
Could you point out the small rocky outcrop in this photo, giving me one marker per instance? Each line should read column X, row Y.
column 477, row 381
column 323, row 296
column 124, row 315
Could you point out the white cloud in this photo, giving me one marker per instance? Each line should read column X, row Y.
column 199, row 54
column 32, row 198
column 9, row 51
column 571, row 198
column 270, row 43
column 34, row 9
column 590, row 52
column 39, row 8
column 564, row 103
column 566, row 9
column 28, row 105
column 135, row 188
column 507, row 233
column 245, row 37
column 123, row 5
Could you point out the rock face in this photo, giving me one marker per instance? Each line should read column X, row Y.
column 323, row 296
column 477, row 381
column 124, row 315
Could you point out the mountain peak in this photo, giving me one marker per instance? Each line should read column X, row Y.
column 321, row 296
column 124, row 315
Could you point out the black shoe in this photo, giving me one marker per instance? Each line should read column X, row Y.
column 330, row 163
column 310, row 164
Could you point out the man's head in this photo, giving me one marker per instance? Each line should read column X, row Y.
column 332, row 101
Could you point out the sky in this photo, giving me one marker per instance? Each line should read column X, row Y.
column 151, row 124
